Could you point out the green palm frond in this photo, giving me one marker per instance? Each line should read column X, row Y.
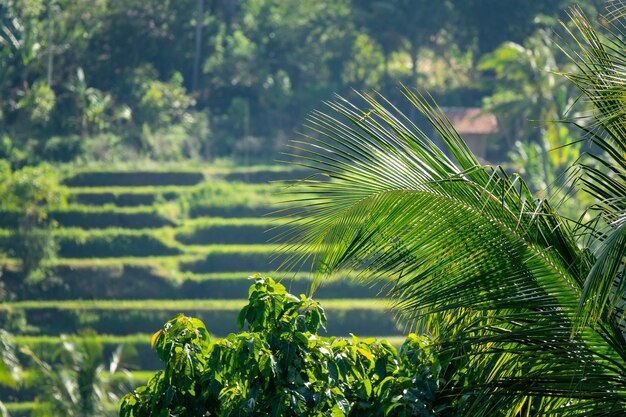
column 457, row 243
column 602, row 81
column 528, row 312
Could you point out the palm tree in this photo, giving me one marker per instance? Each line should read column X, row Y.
column 10, row 369
column 79, row 384
column 528, row 93
column 526, row 305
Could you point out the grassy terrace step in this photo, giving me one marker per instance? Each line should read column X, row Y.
column 134, row 178
column 108, row 243
column 134, row 198
column 153, row 280
column 231, row 231
column 266, row 175
column 234, row 199
column 137, row 353
column 23, row 400
column 236, row 258
column 113, row 242
column 235, row 211
column 184, row 176
column 20, row 409
column 89, row 217
column 364, row 317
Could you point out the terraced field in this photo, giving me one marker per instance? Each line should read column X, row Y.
column 137, row 247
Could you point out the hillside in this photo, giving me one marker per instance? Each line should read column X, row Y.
column 137, row 247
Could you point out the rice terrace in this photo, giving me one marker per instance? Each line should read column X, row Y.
column 380, row 208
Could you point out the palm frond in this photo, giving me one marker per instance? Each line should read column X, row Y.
column 452, row 238
column 602, row 81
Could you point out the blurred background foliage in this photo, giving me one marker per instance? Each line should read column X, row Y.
column 118, row 80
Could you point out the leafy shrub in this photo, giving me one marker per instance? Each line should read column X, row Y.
column 162, row 102
column 38, row 103
column 31, row 193
column 280, row 366
column 189, row 139
column 63, row 148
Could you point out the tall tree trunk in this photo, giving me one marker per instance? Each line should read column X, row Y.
column 414, row 53
column 49, row 72
column 198, row 52
column 386, row 75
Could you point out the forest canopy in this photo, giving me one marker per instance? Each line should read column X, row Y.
column 172, row 80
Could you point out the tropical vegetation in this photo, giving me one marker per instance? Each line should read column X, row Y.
column 527, row 302
column 280, row 366
column 150, row 206
column 205, row 79
column 131, row 253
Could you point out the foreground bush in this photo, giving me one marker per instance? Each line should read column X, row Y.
column 280, row 366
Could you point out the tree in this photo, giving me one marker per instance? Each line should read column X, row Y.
column 78, row 383
column 528, row 93
column 31, row 193
column 280, row 366
column 532, row 301
column 483, row 25
column 403, row 24
column 10, row 370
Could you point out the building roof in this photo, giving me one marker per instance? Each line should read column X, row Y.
column 472, row 120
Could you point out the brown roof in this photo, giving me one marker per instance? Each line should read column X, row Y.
column 472, row 120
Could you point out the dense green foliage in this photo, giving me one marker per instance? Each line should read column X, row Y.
column 280, row 366
column 125, row 283
column 233, row 78
column 206, row 78
column 31, row 192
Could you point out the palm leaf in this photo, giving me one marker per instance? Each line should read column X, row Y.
column 453, row 239
column 602, row 80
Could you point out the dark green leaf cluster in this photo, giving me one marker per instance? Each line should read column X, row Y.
column 31, row 193
column 280, row 366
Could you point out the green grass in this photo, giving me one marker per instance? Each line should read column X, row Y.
column 179, row 305
column 116, row 216
column 21, row 409
column 218, row 167
column 137, row 178
column 110, row 339
column 148, row 189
